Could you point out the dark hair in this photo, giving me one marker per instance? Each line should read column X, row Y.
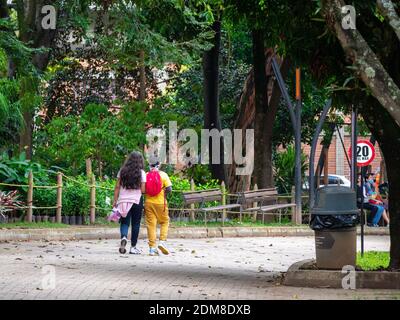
column 131, row 172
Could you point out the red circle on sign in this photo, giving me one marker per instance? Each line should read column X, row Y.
column 371, row 157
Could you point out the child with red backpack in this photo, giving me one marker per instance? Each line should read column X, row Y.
column 158, row 185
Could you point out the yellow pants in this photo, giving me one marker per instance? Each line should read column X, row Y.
column 156, row 213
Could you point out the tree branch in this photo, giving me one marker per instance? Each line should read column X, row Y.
column 387, row 9
column 368, row 67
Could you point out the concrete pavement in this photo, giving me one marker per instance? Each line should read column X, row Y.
column 221, row 268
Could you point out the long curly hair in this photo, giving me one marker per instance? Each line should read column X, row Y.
column 131, row 172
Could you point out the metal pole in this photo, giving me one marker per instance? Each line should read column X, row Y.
column 354, row 135
column 298, row 149
column 295, row 117
column 362, row 215
column 354, row 148
column 311, row 177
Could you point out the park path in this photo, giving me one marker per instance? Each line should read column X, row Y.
column 227, row 268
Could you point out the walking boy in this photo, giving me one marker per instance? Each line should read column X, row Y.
column 158, row 185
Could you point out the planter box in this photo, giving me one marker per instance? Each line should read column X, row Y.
column 52, row 219
column 65, row 219
column 296, row 276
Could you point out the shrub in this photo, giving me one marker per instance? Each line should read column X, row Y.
column 284, row 169
column 76, row 197
column 15, row 170
column 45, row 198
column 9, row 201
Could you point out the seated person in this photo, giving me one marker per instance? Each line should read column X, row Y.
column 376, row 211
column 376, row 200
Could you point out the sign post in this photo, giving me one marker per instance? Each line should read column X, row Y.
column 365, row 153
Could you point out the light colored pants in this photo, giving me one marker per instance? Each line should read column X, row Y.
column 156, row 213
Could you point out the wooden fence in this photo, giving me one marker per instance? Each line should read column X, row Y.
column 92, row 204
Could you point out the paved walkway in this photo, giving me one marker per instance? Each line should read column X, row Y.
column 236, row 268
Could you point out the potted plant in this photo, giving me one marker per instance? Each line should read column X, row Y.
column 65, row 219
column 79, row 220
column 72, row 220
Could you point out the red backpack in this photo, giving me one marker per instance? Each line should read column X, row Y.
column 153, row 183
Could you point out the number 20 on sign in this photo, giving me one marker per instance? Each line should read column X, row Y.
column 365, row 153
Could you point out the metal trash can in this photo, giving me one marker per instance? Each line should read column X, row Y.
column 334, row 219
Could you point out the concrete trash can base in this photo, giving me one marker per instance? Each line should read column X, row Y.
column 336, row 248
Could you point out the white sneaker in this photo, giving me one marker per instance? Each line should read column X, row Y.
column 122, row 249
column 135, row 250
column 163, row 248
column 153, row 252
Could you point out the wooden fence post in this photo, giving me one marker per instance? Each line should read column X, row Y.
column 255, row 205
column 223, row 201
column 92, row 199
column 29, row 200
column 89, row 168
column 192, row 213
column 59, row 197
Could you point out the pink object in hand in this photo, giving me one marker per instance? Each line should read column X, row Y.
column 114, row 215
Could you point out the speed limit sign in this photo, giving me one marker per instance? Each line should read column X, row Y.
column 365, row 153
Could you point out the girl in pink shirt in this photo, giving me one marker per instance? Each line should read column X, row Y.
column 128, row 199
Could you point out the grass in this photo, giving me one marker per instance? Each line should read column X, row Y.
column 32, row 225
column 102, row 222
column 373, row 260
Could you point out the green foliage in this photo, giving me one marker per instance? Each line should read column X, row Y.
column 76, row 197
column 13, row 47
column 173, row 37
column 15, row 170
column 45, row 198
column 373, row 260
column 182, row 184
column 314, row 99
column 284, row 169
column 97, row 134
column 10, row 113
column 183, row 101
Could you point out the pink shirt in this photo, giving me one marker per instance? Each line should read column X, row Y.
column 127, row 197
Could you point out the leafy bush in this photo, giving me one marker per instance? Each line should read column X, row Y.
column 182, row 184
column 76, row 197
column 45, row 198
column 284, row 169
column 15, row 170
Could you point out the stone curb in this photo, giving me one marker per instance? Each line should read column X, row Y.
column 295, row 277
column 93, row 233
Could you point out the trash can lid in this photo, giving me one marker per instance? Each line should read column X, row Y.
column 335, row 200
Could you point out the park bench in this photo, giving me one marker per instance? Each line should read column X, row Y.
column 203, row 197
column 264, row 201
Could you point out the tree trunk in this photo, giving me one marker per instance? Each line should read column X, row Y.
column 387, row 133
column 211, row 99
column 262, row 177
column 32, row 34
column 370, row 70
column 388, row 10
column 246, row 116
